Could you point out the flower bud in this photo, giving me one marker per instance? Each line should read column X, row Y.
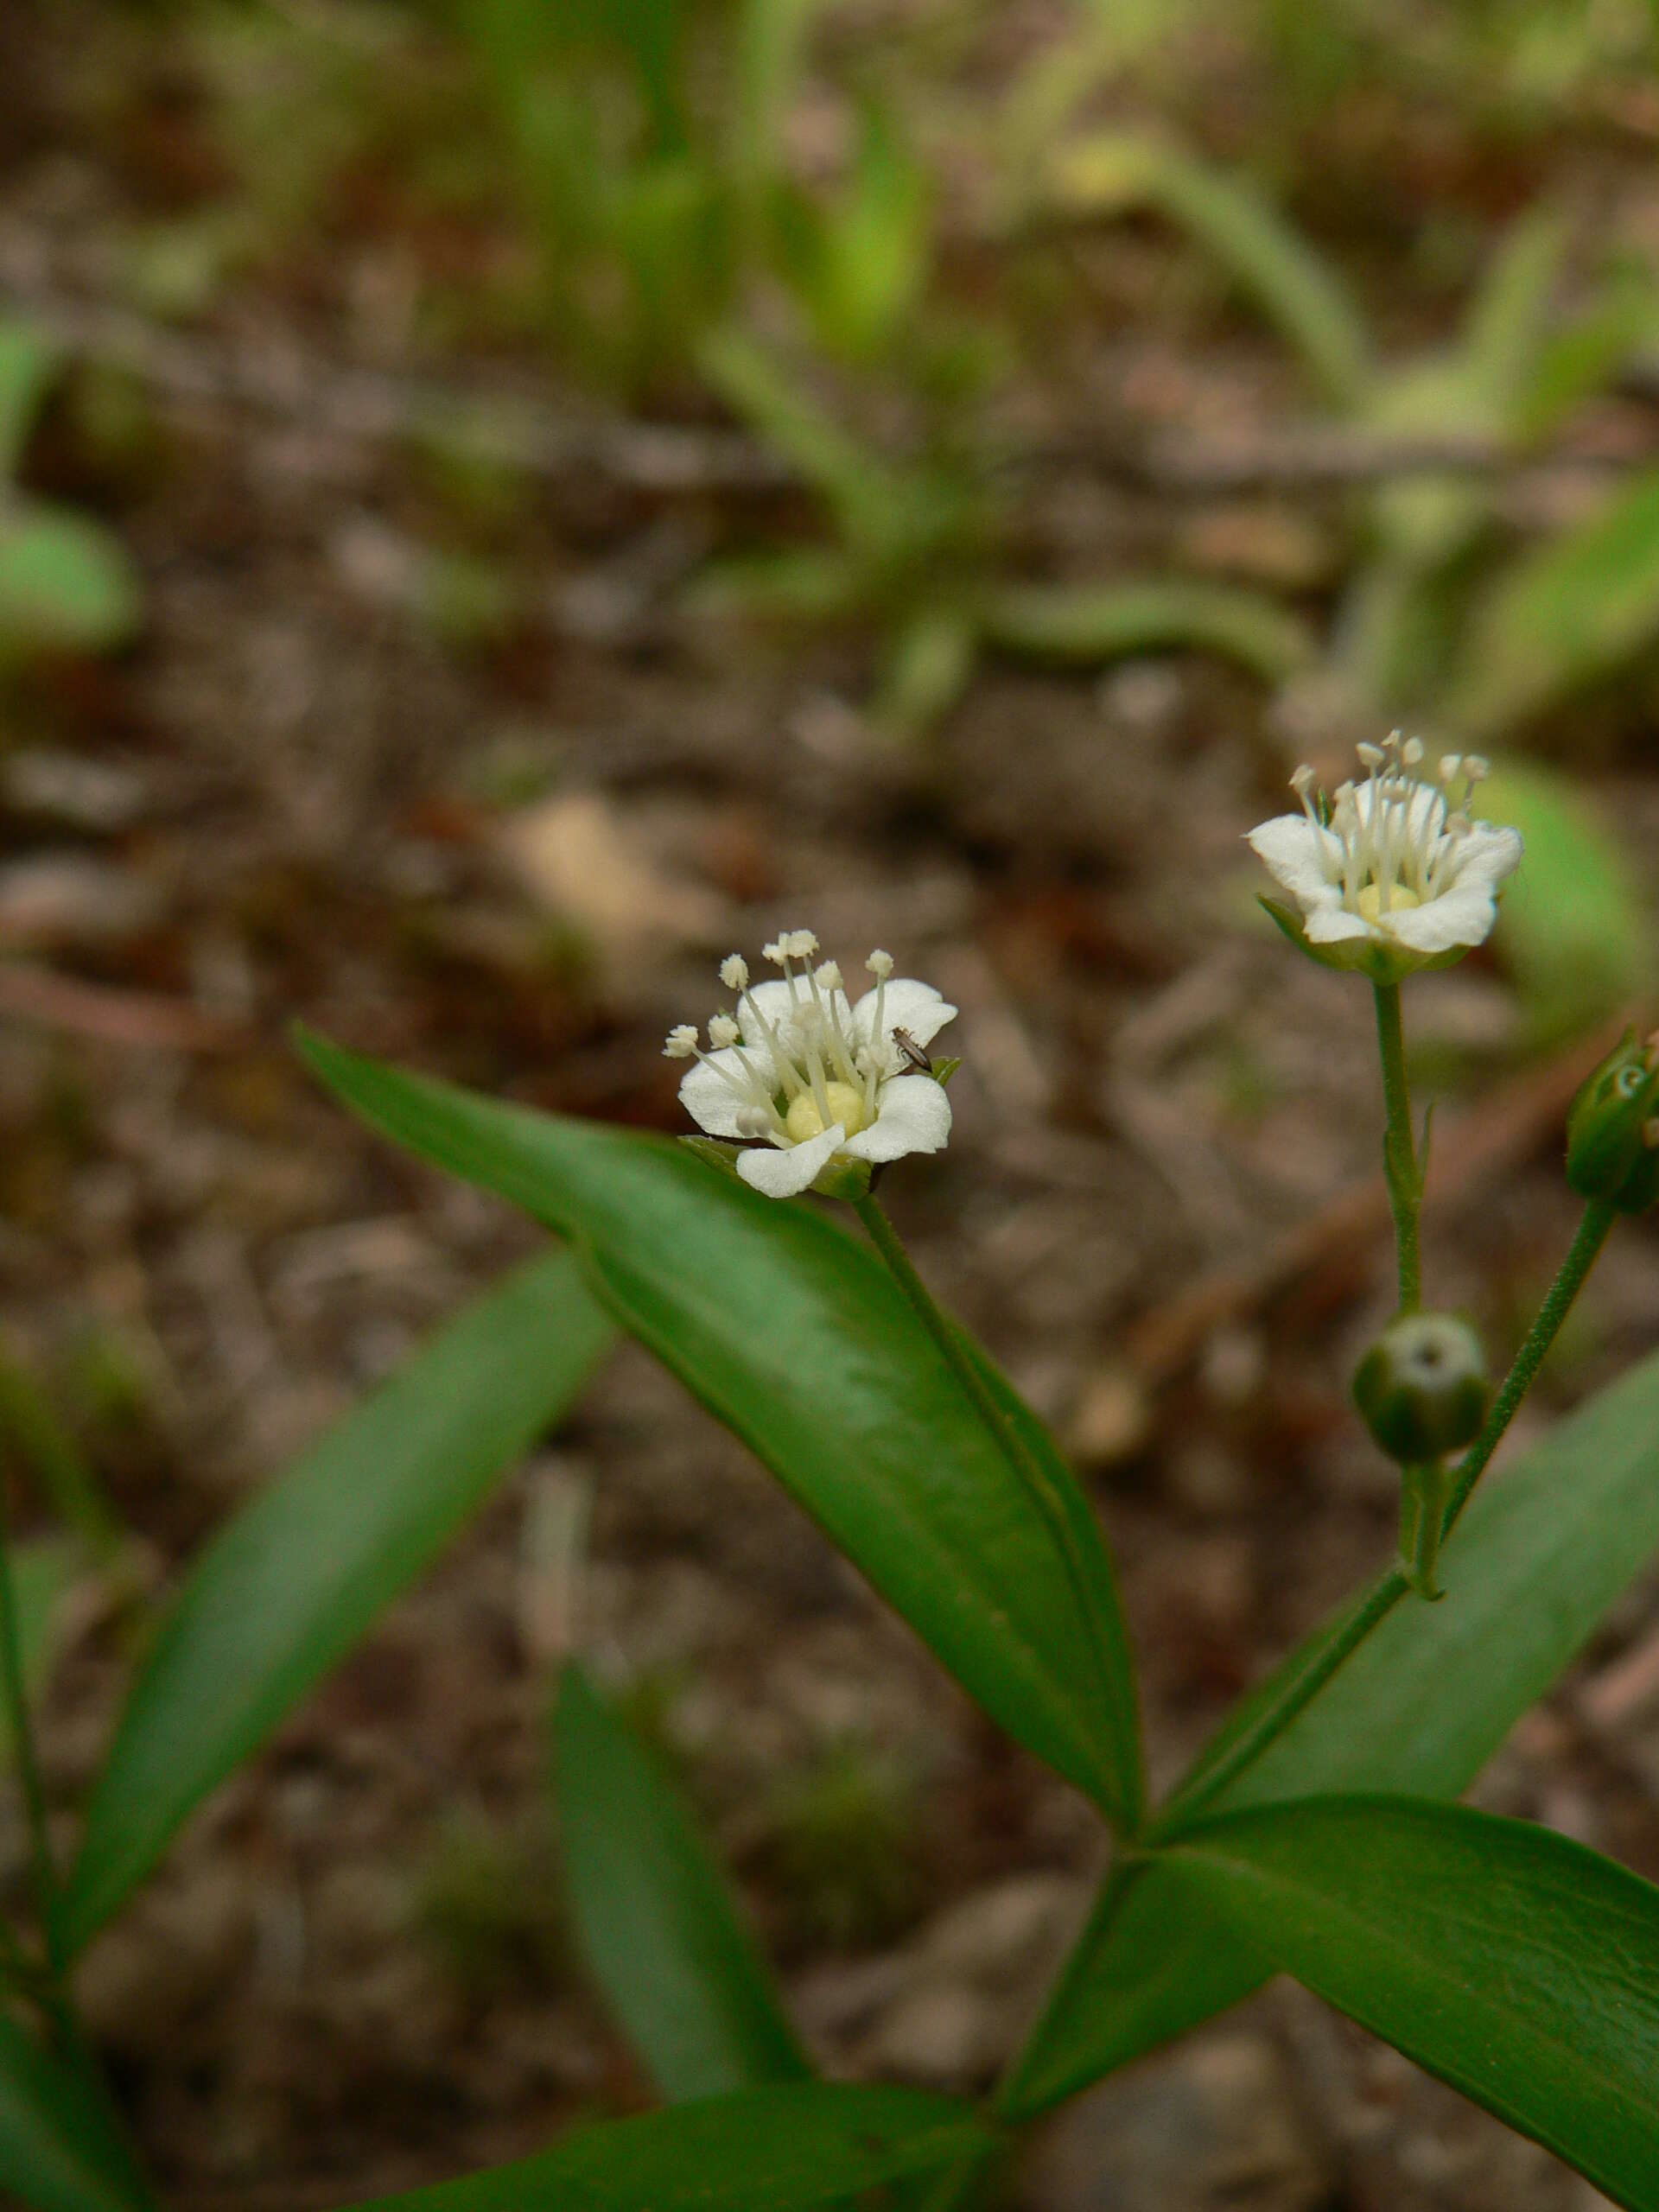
column 1612, row 1130
column 1423, row 1387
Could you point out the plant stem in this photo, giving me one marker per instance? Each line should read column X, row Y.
column 29, row 1765
column 46, row 1981
column 1207, row 1780
column 1598, row 1219
column 1399, row 1163
column 1422, row 1520
column 956, row 2184
column 1034, row 1476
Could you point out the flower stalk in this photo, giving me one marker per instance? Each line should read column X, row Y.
column 1423, row 1491
column 1401, row 1166
column 1215, row 1773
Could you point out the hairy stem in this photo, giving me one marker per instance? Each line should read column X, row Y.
column 1400, row 1162
column 1598, row 1219
column 1422, row 1524
column 1034, row 1476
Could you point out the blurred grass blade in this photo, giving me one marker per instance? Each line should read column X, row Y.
column 771, row 46
column 28, row 363
column 44, row 1569
column 1575, row 608
column 925, row 669
column 794, row 1335
column 801, row 585
column 1585, row 356
column 1086, row 624
column 771, row 2150
column 1515, row 1964
column 1109, row 171
column 61, row 1472
column 1507, row 324
column 754, row 385
column 660, row 1928
column 285, row 1589
column 1572, row 930
column 1537, row 1560
column 58, row 2149
column 66, row 583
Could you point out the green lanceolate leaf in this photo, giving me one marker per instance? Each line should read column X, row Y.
column 1508, row 1960
column 1088, row 624
column 658, row 1927
column 285, row 1589
column 1540, row 1555
column 59, row 2148
column 1108, row 171
column 796, row 1337
column 759, row 2150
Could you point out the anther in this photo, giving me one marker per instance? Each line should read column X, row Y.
column 735, row 972
column 682, row 1043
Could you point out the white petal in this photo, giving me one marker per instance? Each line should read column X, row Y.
column 913, row 1115
column 1489, row 852
column 1463, row 915
column 1301, row 857
column 776, row 1001
column 1331, row 924
column 784, row 1172
column 709, row 1100
column 907, row 1005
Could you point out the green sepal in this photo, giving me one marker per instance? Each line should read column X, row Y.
column 844, row 1178
column 1610, row 1152
column 944, row 1069
column 1363, row 955
column 718, row 1154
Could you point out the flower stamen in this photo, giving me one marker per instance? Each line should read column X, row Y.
column 1393, row 869
column 812, row 1076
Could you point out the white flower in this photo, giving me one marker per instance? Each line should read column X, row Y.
column 1391, row 874
column 810, row 1077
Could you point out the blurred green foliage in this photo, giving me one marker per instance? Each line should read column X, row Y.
column 857, row 247
column 840, row 1846
column 65, row 582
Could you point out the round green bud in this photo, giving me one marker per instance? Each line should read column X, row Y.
column 1612, row 1130
column 1423, row 1387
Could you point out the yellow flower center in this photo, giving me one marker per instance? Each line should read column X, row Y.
column 803, row 1119
column 1369, row 900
